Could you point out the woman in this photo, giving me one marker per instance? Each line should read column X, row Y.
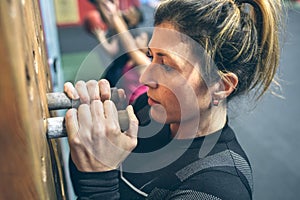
column 195, row 155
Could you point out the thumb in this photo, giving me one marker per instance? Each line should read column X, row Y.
column 70, row 90
column 71, row 123
column 133, row 122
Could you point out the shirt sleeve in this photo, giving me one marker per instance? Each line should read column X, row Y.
column 213, row 185
column 210, row 185
column 95, row 185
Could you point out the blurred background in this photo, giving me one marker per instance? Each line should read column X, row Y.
column 269, row 130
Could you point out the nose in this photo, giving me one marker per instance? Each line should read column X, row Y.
column 148, row 77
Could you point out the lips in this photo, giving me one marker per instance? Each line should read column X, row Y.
column 152, row 102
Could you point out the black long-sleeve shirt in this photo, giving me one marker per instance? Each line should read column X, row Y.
column 211, row 168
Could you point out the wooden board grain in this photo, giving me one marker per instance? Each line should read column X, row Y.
column 30, row 166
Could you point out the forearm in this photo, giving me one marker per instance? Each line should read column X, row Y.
column 95, row 185
column 128, row 41
column 110, row 47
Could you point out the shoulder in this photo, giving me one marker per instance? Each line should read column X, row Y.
column 218, row 183
column 212, row 184
column 225, row 173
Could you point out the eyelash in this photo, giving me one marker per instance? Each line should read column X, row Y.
column 166, row 67
column 149, row 55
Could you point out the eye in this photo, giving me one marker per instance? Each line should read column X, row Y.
column 148, row 54
column 167, row 67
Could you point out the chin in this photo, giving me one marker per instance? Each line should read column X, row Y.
column 158, row 116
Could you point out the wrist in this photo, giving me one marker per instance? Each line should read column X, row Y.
column 119, row 24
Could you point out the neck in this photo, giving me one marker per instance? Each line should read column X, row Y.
column 206, row 124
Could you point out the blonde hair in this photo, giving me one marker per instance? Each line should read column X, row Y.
column 240, row 36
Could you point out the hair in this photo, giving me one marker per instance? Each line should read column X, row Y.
column 240, row 36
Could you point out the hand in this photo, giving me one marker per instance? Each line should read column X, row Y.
column 94, row 135
column 103, row 89
column 132, row 16
column 108, row 9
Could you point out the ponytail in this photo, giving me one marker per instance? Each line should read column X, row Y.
column 267, row 15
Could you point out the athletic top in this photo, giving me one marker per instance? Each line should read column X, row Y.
column 213, row 167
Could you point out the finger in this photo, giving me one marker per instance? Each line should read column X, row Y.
column 93, row 90
column 121, row 94
column 117, row 96
column 104, row 89
column 117, row 3
column 70, row 90
column 71, row 123
column 125, row 12
column 111, row 116
column 133, row 123
column 122, row 99
column 97, row 112
column 84, row 118
column 114, row 95
column 82, row 92
column 105, row 4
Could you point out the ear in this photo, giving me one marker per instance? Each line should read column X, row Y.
column 225, row 86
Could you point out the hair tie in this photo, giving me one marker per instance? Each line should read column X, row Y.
column 256, row 7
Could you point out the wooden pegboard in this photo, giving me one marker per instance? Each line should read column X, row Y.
column 30, row 165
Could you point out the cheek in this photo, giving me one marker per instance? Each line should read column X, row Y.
column 191, row 99
column 180, row 104
column 204, row 97
column 168, row 111
column 181, row 99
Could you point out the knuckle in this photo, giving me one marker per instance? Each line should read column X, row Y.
column 96, row 103
column 112, row 129
column 121, row 92
column 67, row 85
column 97, row 107
column 84, row 99
column 108, row 103
column 134, row 122
column 83, row 107
column 79, row 84
column 132, row 144
column 97, row 129
column 91, row 83
column 104, row 82
column 75, row 142
column 98, row 133
column 69, row 114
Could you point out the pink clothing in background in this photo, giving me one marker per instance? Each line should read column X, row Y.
column 125, row 4
column 130, row 83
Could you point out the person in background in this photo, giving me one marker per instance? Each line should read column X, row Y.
column 126, row 50
column 203, row 54
column 151, row 3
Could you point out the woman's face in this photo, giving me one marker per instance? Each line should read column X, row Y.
column 177, row 93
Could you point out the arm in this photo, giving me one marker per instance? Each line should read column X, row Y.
column 109, row 11
column 110, row 47
column 94, row 24
column 95, row 185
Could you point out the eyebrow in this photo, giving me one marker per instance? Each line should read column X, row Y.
column 159, row 53
column 174, row 65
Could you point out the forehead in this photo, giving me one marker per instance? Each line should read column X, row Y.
column 165, row 36
column 166, row 39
